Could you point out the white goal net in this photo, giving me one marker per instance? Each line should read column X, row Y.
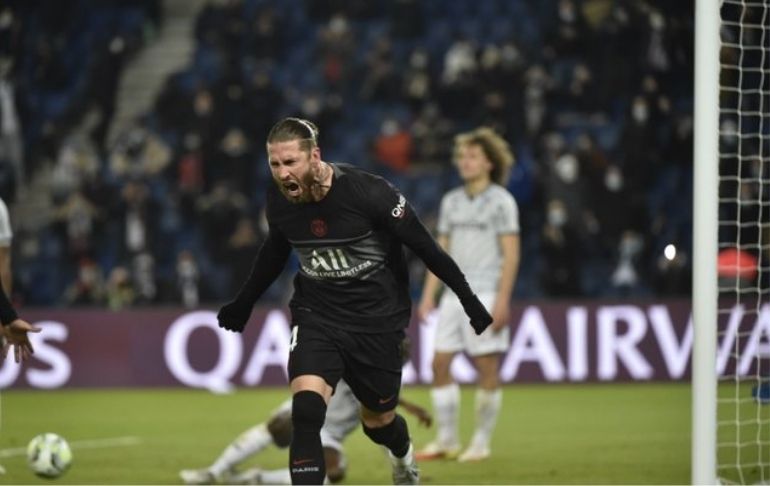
column 743, row 325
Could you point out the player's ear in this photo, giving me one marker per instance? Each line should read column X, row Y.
column 315, row 155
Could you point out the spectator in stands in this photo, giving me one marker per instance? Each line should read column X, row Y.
column 381, row 81
column 120, row 291
column 336, row 42
column 626, row 279
column 88, row 288
column 139, row 153
column 219, row 212
column 143, row 277
column 265, row 39
column 432, row 132
column 242, row 245
column 105, row 77
column 138, row 217
column 11, row 143
column 187, row 277
column 76, row 219
column 560, row 276
column 393, row 146
column 417, row 85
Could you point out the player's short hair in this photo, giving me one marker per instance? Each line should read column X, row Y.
column 291, row 128
column 495, row 148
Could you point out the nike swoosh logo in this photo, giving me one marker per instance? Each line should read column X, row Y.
column 386, row 400
column 301, row 461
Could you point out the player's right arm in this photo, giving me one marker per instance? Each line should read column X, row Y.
column 432, row 284
column 267, row 266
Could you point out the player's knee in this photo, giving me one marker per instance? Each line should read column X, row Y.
column 385, row 433
column 441, row 367
column 487, row 367
column 280, row 428
column 374, row 419
column 308, row 410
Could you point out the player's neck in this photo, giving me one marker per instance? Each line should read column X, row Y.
column 474, row 187
column 323, row 183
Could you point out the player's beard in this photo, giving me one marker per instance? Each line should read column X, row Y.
column 309, row 185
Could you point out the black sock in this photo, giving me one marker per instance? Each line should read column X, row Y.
column 306, row 458
column 394, row 436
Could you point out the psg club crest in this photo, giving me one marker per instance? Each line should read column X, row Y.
column 318, row 227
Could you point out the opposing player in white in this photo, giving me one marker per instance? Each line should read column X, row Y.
column 479, row 226
column 6, row 235
column 342, row 418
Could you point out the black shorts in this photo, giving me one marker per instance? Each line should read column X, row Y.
column 370, row 363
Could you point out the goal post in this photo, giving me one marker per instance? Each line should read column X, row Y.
column 731, row 243
column 705, row 241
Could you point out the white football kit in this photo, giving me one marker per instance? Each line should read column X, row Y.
column 474, row 226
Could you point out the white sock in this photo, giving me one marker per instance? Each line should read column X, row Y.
column 275, row 476
column 402, row 461
column 488, row 405
column 446, row 403
column 247, row 444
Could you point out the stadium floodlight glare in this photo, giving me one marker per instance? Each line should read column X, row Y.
column 731, row 231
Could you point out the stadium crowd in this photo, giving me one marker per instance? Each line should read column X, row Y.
column 594, row 96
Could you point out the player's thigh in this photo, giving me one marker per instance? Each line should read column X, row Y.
column 373, row 364
column 313, row 353
column 451, row 318
column 489, row 342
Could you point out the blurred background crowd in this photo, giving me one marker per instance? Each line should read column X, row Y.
column 163, row 204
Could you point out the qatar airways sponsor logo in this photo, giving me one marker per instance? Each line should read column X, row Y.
column 578, row 343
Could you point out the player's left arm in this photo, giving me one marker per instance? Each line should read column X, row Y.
column 391, row 210
column 509, row 247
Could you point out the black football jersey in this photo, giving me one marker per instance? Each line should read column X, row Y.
column 352, row 271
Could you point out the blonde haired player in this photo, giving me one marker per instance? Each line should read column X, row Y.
column 479, row 227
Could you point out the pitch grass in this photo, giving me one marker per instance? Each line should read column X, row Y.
column 547, row 434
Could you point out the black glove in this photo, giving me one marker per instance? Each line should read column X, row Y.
column 480, row 318
column 234, row 315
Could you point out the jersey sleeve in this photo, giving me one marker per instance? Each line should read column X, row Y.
column 506, row 216
column 267, row 266
column 391, row 211
column 5, row 225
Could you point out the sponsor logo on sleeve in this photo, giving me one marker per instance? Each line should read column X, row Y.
column 400, row 209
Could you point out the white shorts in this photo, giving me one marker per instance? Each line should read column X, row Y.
column 342, row 417
column 454, row 332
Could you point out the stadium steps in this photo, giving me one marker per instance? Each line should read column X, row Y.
column 143, row 78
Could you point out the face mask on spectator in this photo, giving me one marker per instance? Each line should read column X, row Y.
column 613, row 179
column 557, row 216
column 640, row 111
column 567, row 168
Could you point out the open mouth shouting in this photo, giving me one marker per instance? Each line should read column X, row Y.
column 292, row 189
